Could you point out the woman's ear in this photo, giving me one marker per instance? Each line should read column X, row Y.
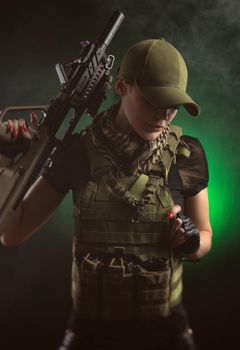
column 120, row 87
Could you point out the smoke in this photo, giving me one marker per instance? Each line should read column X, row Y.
column 206, row 32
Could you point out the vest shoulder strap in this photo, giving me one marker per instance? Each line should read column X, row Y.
column 99, row 164
column 169, row 152
column 175, row 145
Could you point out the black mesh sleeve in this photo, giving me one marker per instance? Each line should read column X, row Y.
column 68, row 169
column 193, row 170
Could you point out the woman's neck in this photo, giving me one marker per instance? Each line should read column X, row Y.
column 121, row 120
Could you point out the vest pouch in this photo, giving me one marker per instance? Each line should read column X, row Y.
column 117, row 293
column 152, row 293
column 90, row 287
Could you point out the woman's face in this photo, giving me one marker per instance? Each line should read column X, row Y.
column 137, row 112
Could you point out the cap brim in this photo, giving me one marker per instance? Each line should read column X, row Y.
column 163, row 97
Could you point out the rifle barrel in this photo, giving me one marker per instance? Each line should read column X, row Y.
column 110, row 30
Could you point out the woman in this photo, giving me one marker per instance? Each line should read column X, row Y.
column 140, row 204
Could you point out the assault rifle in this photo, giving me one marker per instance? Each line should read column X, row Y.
column 84, row 84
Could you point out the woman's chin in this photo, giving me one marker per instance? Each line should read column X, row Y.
column 149, row 136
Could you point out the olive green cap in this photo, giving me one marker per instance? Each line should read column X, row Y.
column 160, row 72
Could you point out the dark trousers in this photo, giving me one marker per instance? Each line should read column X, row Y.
column 171, row 333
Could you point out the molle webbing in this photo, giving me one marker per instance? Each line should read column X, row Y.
column 104, row 221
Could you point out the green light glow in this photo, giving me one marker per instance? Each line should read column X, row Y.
column 217, row 130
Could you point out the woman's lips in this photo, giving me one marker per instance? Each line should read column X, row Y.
column 154, row 127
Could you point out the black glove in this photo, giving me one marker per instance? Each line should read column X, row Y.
column 192, row 243
column 11, row 149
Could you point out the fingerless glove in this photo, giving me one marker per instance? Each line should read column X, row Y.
column 192, row 242
column 11, row 149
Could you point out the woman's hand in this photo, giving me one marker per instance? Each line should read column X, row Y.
column 196, row 239
column 177, row 233
column 19, row 141
column 18, row 128
column 185, row 236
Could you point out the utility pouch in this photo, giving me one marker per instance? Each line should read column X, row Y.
column 152, row 293
column 117, row 293
column 90, row 282
column 122, row 292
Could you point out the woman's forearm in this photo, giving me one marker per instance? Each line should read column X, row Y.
column 205, row 246
column 32, row 213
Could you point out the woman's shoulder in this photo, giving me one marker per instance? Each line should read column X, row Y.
column 191, row 141
column 197, row 152
column 193, row 170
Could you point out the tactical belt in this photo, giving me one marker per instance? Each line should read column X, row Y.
column 130, row 261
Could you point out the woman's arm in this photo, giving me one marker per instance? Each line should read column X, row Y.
column 197, row 209
column 35, row 209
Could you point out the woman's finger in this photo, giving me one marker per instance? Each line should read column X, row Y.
column 180, row 238
column 175, row 226
column 23, row 129
column 33, row 118
column 9, row 126
column 174, row 211
column 15, row 128
column 177, row 233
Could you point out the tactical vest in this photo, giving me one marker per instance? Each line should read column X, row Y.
column 105, row 221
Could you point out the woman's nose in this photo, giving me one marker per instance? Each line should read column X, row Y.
column 161, row 113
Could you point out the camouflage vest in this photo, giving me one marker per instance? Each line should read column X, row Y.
column 104, row 222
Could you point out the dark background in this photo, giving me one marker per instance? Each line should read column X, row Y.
column 35, row 277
